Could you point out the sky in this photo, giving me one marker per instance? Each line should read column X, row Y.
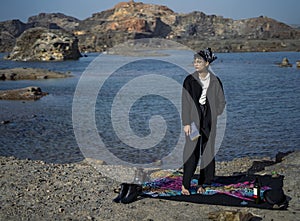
column 286, row 11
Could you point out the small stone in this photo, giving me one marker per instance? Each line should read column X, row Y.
column 90, row 218
column 5, row 122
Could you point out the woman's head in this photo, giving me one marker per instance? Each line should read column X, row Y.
column 205, row 55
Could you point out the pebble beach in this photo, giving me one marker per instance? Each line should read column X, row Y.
column 35, row 190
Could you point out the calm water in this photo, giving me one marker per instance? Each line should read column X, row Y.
column 263, row 105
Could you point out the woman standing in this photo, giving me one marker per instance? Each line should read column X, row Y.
column 202, row 101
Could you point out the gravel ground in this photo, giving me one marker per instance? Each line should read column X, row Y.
column 34, row 190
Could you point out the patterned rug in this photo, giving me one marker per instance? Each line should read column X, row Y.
column 230, row 191
column 170, row 185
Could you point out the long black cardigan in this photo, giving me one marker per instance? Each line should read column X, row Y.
column 191, row 112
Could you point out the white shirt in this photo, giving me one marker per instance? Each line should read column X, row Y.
column 204, row 84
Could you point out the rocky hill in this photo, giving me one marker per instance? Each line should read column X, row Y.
column 134, row 20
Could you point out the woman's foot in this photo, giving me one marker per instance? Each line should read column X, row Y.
column 184, row 191
column 201, row 190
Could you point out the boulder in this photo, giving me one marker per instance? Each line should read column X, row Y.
column 41, row 44
column 285, row 63
column 298, row 64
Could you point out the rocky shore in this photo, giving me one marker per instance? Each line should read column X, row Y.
column 34, row 190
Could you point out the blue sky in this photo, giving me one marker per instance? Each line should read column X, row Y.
column 285, row 11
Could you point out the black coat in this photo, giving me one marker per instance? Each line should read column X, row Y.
column 191, row 93
column 215, row 102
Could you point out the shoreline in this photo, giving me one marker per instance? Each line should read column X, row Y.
column 34, row 190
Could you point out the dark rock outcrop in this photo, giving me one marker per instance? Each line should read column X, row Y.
column 15, row 74
column 40, row 44
column 28, row 93
column 285, row 63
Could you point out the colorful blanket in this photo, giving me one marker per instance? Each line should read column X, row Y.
column 170, row 185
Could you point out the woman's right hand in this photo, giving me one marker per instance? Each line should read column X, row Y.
column 187, row 130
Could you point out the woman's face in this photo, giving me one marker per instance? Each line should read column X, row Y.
column 200, row 64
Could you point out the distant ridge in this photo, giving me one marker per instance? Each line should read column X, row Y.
column 134, row 20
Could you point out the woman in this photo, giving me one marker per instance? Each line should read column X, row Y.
column 202, row 101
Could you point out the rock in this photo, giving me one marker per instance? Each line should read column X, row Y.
column 14, row 27
column 40, row 44
column 285, row 63
column 9, row 31
column 54, row 21
column 28, row 93
column 95, row 161
column 298, row 64
column 7, row 41
column 2, row 77
column 231, row 216
column 30, row 74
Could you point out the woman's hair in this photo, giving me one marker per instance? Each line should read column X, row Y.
column 206, row 54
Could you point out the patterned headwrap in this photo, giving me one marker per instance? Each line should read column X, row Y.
column 206, row 54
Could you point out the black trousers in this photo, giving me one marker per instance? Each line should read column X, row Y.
column 189, row 167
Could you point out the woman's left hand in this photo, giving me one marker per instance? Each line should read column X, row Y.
column 187, row 130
